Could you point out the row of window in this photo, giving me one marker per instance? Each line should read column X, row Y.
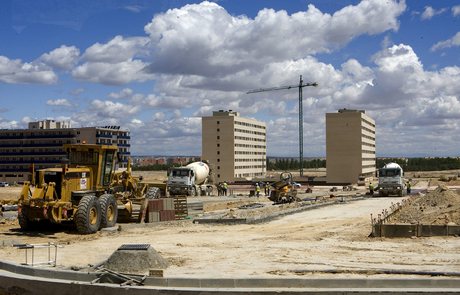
column 249, row 153
column 367, row 122
column 369, row 166
column 250, row 167
column 368, row 130
column 368, row 159
column 368, row 144
column 249, row 160
column 368, row 137
column 255, row 146
column 250, row 125
column 248, row 138
column 369, row 152
column 248, row 131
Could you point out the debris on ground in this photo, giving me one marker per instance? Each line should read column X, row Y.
column 135, row 259
column 441, row 206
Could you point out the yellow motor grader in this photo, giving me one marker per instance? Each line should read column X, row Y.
column 85, row 190
column 284, row 190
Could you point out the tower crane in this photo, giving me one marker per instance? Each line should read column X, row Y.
column 300, row 86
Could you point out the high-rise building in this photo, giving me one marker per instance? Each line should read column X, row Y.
column 41, row 145
column 236, row 147
column 350, row 146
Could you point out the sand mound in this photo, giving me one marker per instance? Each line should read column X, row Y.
column 441, row 206
column 135, row 261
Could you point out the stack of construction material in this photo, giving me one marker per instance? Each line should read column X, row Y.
column 161, row 210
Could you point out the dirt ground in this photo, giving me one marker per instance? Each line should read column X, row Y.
column 302, row 244
column 309, row 243
column 440, row 206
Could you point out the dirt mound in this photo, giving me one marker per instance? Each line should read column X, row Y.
column 135, row 261
column 441, row 206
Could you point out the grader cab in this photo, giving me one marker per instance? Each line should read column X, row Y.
column 79, row 191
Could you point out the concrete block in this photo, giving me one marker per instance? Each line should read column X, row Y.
column 167, row 215
column 153, row 216
column 155, row 205
column 168, row 204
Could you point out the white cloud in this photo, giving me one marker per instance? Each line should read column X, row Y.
column 16, row 71
column 112, row 109
column 124, row 93
column 117, row 50
column 456, row 10
column 430, row 12
column 225, row 44
column 452, row 42
column 59, row 102
column 112, row 74
column 5, row 124
column 62, row 58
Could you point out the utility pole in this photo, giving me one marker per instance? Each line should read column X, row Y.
column 300, row 86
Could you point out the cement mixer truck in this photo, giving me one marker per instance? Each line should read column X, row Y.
column 391, row 180
column 191, row 180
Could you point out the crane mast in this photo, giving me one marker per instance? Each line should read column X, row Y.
column 300, row 86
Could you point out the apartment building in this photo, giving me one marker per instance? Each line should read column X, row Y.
column 350, row 146
column 236, row 147
column 40, row 146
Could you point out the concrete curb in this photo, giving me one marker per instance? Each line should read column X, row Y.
column 18, row 279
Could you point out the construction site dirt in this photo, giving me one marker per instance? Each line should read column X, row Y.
column 328, row 241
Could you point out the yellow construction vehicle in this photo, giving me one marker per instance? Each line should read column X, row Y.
column 85, row 190
column 284, row 190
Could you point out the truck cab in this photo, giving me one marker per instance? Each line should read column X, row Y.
column 181, row 181
column 391, row 180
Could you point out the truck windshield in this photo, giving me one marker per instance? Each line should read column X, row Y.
column 389, row 172
column 179, row 173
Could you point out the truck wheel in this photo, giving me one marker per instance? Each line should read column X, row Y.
column 88, row 216
column 153, row 193
column 109, row 210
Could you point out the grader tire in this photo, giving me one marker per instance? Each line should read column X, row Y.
column 109, row 211
column 24, row 222
column 88, row 216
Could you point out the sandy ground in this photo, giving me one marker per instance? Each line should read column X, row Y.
column 328, row 238
column 333, row 237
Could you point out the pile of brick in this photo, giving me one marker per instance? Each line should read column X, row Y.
column 161, row 210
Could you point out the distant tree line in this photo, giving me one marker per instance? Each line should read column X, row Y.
column 422, row 164
column 293, row 164
column 154, row 167
column 408, row 164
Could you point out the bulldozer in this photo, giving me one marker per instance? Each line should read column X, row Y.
column 284, row 190
column 84, row 190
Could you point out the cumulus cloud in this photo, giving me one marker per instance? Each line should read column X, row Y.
column 59, row 102
column 16, row 71
column 452, row 42
column 112, row 73
column 113, row 109
column 62, row 58
column 116, row 62
column 430, row 12
column 124, row 93
column 227, row 44
column 456, row 10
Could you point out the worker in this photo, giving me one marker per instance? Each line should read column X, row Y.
column 408, row 187
column 257, row 189
column 371, row 189
column 267, row 188
column 225, row 188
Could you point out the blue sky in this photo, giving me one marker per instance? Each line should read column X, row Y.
column 156, row 67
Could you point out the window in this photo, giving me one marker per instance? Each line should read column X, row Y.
column 218, row 160
column 218, row 137
column 218, row 129
column 218, row 167
column 218, row 152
